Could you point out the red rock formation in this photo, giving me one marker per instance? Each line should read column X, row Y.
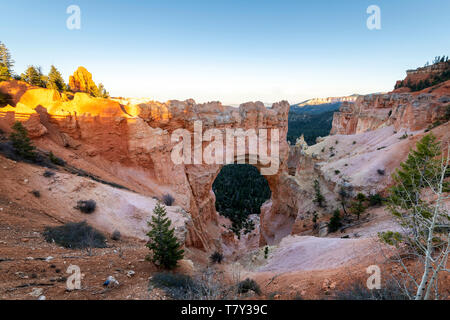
column 81, row 81
column 411, row 111
column 133, row 143
column 415, row 76
column 401, row 108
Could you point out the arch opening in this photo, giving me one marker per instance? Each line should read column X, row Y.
column 240, row 191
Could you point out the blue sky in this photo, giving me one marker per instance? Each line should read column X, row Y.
column 232, row 51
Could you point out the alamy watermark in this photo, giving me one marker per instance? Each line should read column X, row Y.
column 74, row 280
column 226, row 146
column 374, row 20
column 374, row 281
column 73, row 22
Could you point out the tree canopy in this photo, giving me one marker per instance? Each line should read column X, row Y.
column 240, row 191
column 55, row 80
column 6, row 63
column 34, row 76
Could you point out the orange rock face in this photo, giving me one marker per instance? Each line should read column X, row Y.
column 81, row 81
column 134, row 142
column 415, row 76
column 403, row 110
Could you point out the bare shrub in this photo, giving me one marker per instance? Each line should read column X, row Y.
column 216, row 257
column 375, row 200
column 168, row 200
column 116, row 235
column 75, row 235
column 359, row 291
column 249, row 285
column 48, row 173
column 207, row 285
column 86, row 206
column 36, row 193
column 55, row 160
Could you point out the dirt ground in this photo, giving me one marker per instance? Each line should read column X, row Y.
column 23, row 265
column 28, row 262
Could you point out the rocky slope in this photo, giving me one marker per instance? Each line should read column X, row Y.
column 410, row 111
column 369, row 139
column 117, row 209
column 424, row 76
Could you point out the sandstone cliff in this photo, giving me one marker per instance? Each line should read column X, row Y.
column 422, row 76
column 131, row 144
column 369, row 139
column 411, row 111
column 81, row 81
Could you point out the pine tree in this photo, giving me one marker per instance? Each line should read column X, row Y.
column 4, row 73
column 357, row 207
column 33, row 75
column 335, row 222
column 21, row 142
column 102, row 93
column 344, row 194
column 424, row 219
column 164, row 245
column 319, row 199
column 55, row 80
column 6, row 63
column 417, row 172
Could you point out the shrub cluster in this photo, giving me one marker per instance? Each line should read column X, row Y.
column 216, row 257
column 55, row 160
column 75, row 235
column 116, row 235
column 249, row 285
column 375, row 200
column 319, row 198
column 335, row 222
column 359, row 291
column 177, row 286
column 86, row 206
column 21, row 142
column 48, row 173
column 36, row 193
column 203, row 286
column 168, row 200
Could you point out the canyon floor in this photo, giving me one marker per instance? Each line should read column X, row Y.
column 306, row 266
column 27, row 261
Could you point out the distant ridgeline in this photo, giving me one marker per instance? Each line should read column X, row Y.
column 311, row 120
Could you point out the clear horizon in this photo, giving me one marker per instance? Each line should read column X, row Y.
column 229, row 51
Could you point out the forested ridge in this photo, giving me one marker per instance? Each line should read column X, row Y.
column 311, row 121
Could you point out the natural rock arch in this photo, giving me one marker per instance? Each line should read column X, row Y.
column 130, row 141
